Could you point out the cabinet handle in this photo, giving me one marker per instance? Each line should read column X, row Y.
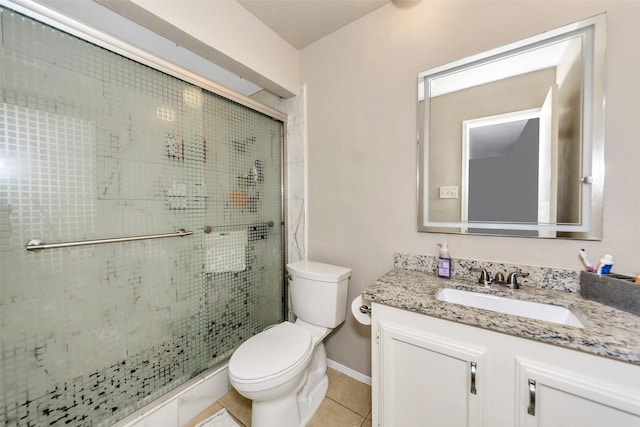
column 473, row 378
column 531, row 410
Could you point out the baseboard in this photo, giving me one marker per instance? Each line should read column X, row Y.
column 349, row 372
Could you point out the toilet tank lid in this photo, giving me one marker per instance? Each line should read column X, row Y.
column 318, row 271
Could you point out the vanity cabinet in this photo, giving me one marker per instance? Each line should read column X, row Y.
column 432, row 372
column 426, row 380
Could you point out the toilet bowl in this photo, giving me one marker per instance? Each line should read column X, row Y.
column 283, row 369
column 273, row 362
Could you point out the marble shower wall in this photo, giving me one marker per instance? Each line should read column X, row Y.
column 295, row 108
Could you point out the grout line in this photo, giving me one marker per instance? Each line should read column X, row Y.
column 347, row 408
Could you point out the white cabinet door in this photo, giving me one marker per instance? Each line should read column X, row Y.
column 548, row 396
column 426, row 380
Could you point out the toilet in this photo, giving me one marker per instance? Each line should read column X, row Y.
column 283, row 369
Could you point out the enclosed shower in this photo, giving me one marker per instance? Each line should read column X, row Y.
column 141, row 228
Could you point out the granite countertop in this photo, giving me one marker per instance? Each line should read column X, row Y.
column 609, row 332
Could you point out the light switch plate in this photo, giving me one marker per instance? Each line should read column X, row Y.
column 449, row 192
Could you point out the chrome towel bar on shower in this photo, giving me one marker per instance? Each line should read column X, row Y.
column 37, row 245
column 208, row 228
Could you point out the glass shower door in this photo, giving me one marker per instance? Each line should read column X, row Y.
column 94, row 146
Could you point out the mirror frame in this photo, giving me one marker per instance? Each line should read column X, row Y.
column 592, row 30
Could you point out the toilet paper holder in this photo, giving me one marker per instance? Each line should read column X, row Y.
column 361, row 311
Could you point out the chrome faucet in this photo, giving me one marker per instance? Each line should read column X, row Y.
column 499, row 278
column 512, row 279
column 485, row 276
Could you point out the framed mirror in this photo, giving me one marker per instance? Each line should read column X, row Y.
column 511, row 141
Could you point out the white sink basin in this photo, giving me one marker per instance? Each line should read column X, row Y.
column 532, row 310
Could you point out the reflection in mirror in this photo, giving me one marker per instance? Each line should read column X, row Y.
column 502, row 162
column 511, row 140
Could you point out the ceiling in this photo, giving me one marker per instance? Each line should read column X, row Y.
column 302, row 22
column 495, row 140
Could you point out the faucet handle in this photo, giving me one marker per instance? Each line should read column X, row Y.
column 512, row 279
column 485, row 276
column 499, row 278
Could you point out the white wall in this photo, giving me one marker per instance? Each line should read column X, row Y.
column 361, row 99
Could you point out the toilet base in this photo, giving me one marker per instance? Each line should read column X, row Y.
column 315, row 387
column 289, row 411
column 296, row 409
column 281, row 412
column 309, row 406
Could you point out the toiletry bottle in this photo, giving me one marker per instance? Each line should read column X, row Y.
column 444, row 261
column 583, row 256
column 605, row 264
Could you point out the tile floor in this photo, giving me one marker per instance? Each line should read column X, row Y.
column 348, row 404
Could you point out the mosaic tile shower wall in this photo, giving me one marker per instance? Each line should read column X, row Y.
column 93, row 146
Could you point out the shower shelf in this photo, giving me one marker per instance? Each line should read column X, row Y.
column 37, row 244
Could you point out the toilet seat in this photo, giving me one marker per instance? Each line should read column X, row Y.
column 279, row 352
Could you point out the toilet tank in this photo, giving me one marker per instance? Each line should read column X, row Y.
column 319, row 292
